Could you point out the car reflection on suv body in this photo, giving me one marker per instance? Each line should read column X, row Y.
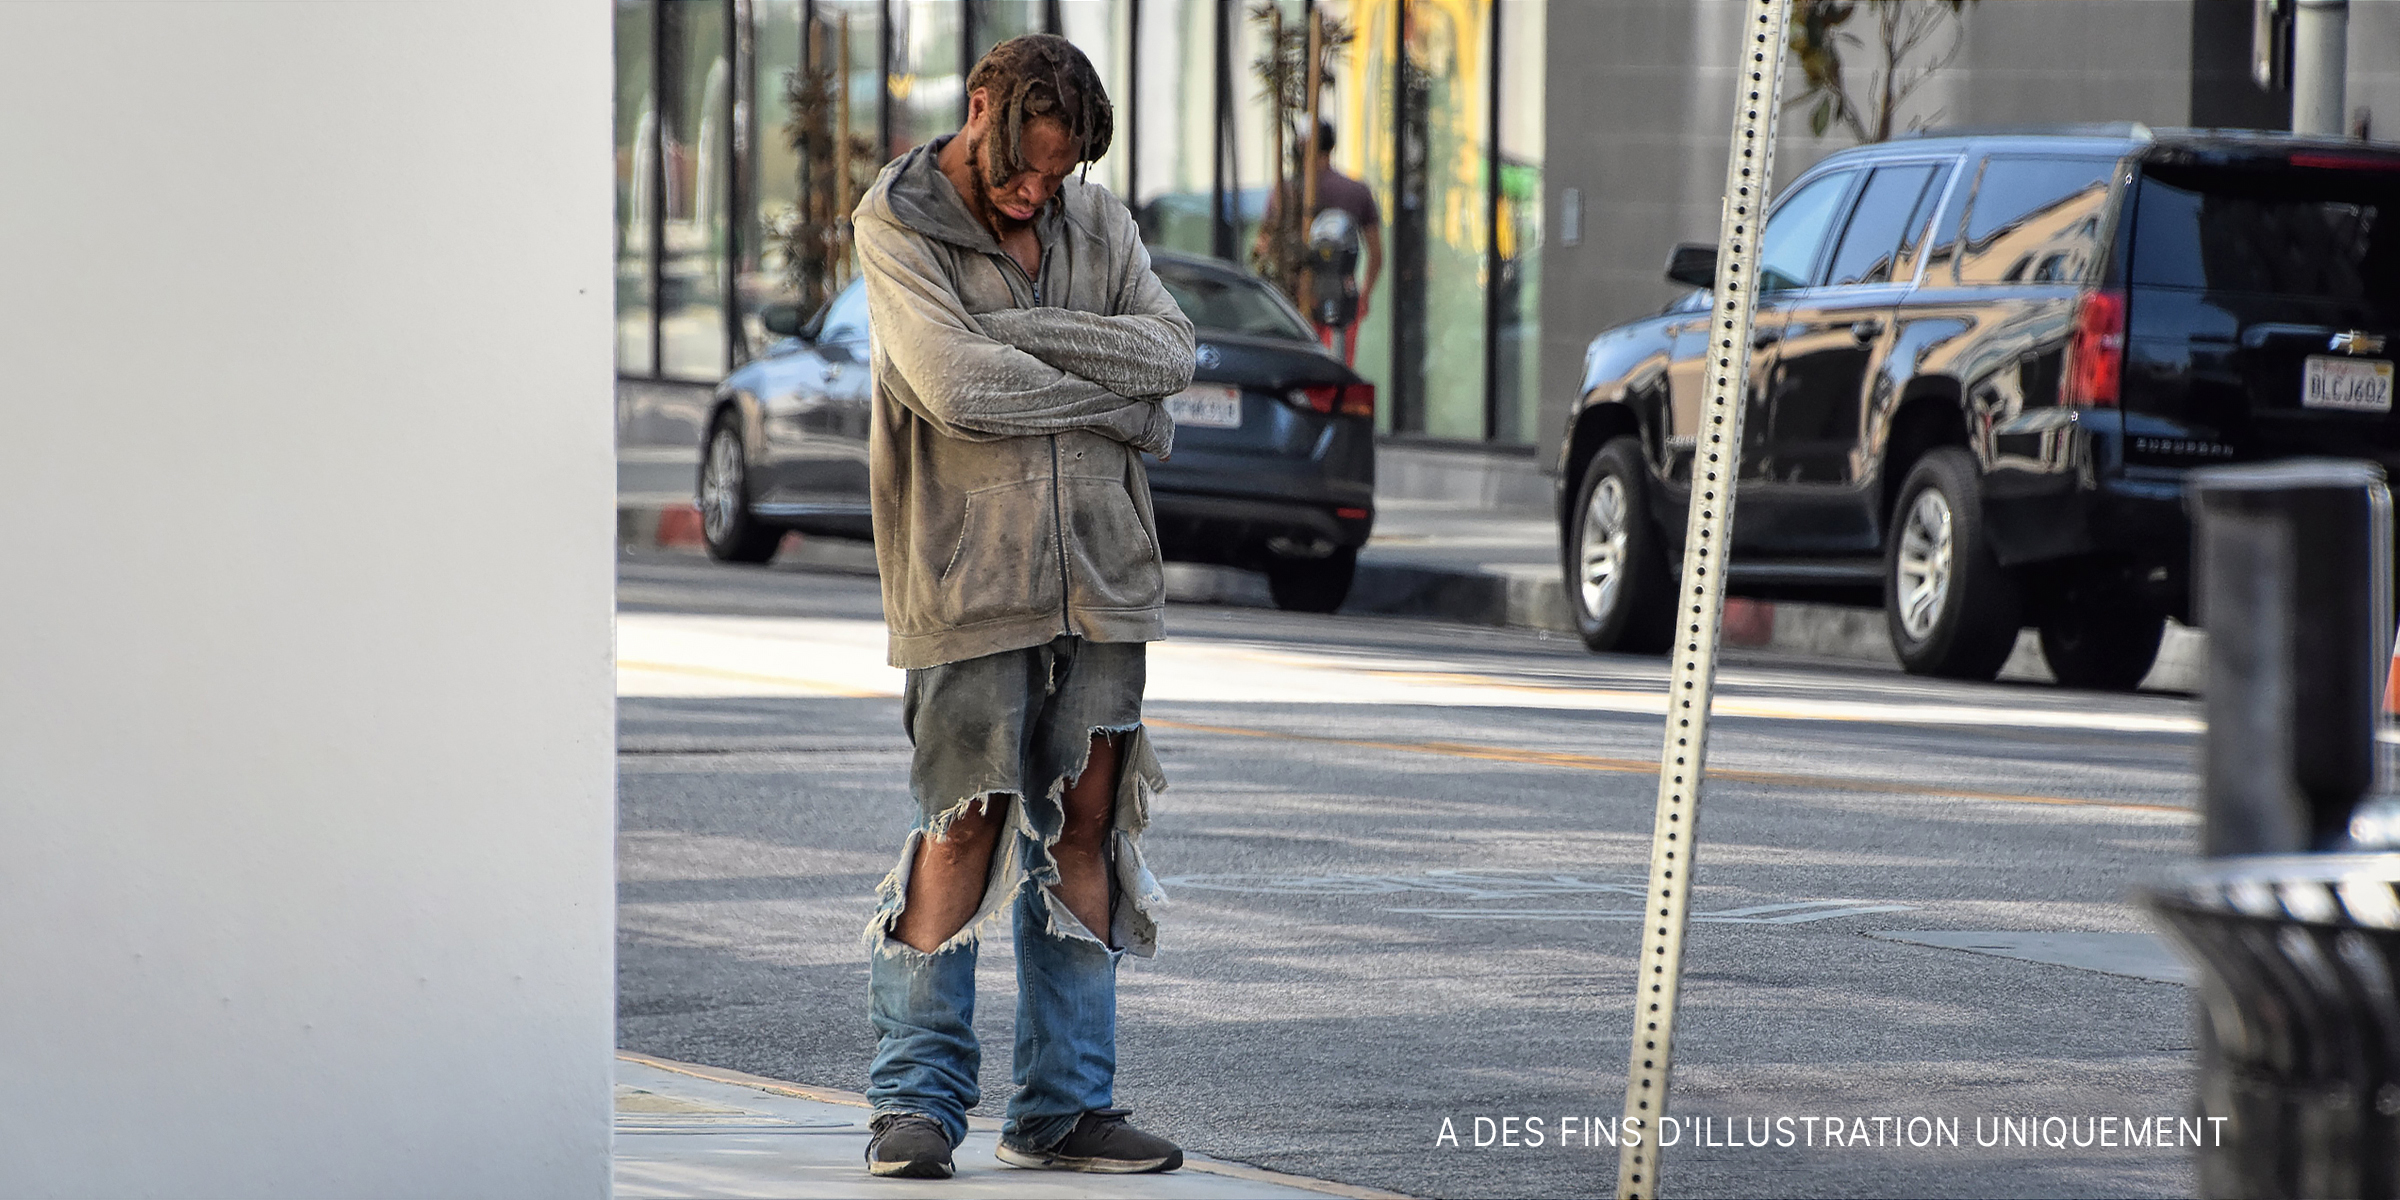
column 1273, row 467
column 1982, row 364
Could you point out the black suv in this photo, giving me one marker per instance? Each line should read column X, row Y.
column 1983, row 364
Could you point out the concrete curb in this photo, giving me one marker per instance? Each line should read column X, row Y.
column 1517, row 595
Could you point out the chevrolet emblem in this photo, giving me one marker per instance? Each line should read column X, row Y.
column 2356, row 341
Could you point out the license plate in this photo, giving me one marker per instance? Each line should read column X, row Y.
column 1219, row 406
column 2349, row 384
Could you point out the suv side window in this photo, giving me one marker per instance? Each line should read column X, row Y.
column 2035, row 220
column 1872, row 239
column 1796, row 232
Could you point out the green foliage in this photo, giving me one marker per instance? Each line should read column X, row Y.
column 1282, row 73
column 814, row 235
column 1913, row 39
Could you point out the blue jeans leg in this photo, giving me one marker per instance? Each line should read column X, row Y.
column 927, row 1061
column 1066, row 1056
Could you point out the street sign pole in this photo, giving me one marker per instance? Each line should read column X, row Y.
column 1700, row 608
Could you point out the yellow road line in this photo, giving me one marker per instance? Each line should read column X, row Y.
column 1635, row 766
column 1510, row 754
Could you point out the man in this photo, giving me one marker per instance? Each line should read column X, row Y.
column 1021, row 351
column 1339, row 193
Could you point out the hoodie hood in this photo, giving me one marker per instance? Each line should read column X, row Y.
column 913, row 193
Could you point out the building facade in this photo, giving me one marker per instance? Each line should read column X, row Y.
column 1436, row 104
column 1533, row 159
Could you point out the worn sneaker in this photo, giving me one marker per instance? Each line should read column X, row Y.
column 908, row 1146
column 1101, row 1142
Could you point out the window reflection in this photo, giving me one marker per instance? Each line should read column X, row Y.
column 1437, row 106
column 928, row 93
column 2034, row 220
column 1177, row 116
column 636, row 188
column 1439, row 223
column 1872, row 237
column 1787, row 257
column 697, row 91
column 1517, row 224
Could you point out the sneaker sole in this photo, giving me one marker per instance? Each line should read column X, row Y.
column 906, row 1169
column 1039, row 1161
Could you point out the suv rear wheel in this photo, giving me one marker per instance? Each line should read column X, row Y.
column 1617, row 583
column 1950, row 607
column 1315, row 585
column 2101, row 647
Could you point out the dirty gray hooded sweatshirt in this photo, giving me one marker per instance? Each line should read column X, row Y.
column 1010, row 413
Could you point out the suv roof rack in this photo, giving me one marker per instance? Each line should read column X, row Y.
column 2132, row 130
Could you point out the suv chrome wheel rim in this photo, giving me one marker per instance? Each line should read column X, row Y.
column 1923, row 570
column 721, row 485
column 1602, row 552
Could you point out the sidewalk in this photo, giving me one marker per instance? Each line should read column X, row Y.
column 692, row 1131
column 1466, row 538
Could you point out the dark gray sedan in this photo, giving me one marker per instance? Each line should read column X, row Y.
column 1273, row 468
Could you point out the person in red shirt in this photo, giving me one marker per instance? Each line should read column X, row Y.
column 1328, row 255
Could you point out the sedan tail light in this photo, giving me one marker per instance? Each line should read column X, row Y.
column 1335, row 399
column 2096, row 353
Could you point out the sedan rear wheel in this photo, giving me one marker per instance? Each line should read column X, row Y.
column 732, row 532
column 1316, row 585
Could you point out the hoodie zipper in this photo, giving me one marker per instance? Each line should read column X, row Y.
column 1058, row 508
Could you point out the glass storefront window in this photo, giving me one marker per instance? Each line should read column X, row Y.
column 996, row 21
column 1437, row 107
column 1365, row 149
column 1440, row 222
column 697, row 86
column 1097, row 27
column 636, row 191
column 1177, row 115
column 773, row 169
column 1517, row 226
column 928, row 92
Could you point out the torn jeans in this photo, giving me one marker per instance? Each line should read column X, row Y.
column 1014, row 729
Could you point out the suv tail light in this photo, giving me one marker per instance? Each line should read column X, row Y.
column 1335, row 399
column 2096, row 353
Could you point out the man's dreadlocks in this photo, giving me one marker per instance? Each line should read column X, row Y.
column 1040, row 75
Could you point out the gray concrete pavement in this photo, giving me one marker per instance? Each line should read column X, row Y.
column 691, row 1132
column 1404, row 858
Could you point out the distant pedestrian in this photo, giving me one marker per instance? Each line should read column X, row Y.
column 1331, row 249
column 1021, row 349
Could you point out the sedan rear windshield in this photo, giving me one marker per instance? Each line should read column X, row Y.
column 2318, row 232
column 1233, row 304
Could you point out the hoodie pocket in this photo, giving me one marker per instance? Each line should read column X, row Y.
column 1113, row 563
column 1005, row 563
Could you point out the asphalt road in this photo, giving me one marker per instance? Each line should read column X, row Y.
column 1404, row 861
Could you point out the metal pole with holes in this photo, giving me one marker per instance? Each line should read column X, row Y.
column 1758, row 94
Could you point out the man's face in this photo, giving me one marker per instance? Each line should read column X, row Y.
column 1046, row 145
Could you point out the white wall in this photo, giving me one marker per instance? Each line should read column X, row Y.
column 305, row 520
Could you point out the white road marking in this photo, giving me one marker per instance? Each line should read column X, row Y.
column 2139, row 955
column 1505, row 884
column 669, row 654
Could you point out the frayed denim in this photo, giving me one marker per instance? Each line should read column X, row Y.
column 986, row 731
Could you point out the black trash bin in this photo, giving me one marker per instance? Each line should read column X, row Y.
column 2299, row 1020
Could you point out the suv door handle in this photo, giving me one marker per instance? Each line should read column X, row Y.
column 1760, row 339
column 1866, row 331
